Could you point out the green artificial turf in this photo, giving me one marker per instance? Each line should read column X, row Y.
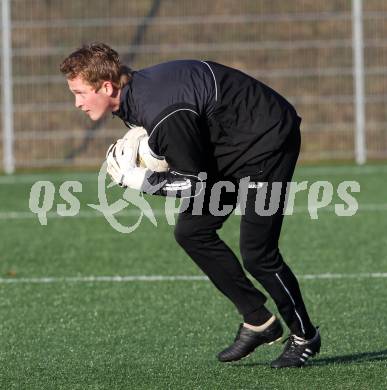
column 70, row 333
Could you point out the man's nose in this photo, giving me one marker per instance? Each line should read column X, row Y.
column 78, row 103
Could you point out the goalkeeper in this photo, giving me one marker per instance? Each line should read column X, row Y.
column 202, row 116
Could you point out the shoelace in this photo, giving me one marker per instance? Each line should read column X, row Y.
column 295, row 343
column 294, row 340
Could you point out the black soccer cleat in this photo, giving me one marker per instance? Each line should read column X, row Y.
column 297, row 351
column 247, row 340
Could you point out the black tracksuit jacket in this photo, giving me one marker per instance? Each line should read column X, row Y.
column 205, row 117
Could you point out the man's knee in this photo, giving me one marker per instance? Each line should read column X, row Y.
column 183, row 234
column 193, row 234
column 259, row 262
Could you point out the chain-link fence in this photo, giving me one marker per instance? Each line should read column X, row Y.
column 302, row 48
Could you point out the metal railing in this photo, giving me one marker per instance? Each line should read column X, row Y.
column 314, row 55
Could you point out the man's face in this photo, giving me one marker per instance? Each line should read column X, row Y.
column 94, row 103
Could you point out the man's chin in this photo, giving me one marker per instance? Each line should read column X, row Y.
column 95, row 116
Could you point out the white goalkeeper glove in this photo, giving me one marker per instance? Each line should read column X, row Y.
column 147, row 159
column 121, row 165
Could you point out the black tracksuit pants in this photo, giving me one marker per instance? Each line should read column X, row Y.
column 259, row 236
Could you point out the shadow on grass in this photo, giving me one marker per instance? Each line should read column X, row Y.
column 363, row 357
column 355, row 358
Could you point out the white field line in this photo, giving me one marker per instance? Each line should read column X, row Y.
column 7, row 215
column 92, row 176
column 59, row 177
column 341, row 170
column 161, row 278
column 10, row 215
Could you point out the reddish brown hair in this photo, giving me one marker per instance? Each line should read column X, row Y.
column 96, row 63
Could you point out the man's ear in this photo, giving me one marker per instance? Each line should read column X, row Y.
column 107, row 88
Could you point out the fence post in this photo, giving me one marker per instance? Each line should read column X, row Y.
column 358, row 74
column 8, row 155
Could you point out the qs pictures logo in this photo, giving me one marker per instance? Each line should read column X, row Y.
column 42, row 196
column 319, row 196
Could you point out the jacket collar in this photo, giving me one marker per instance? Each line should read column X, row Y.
column 126, row 110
